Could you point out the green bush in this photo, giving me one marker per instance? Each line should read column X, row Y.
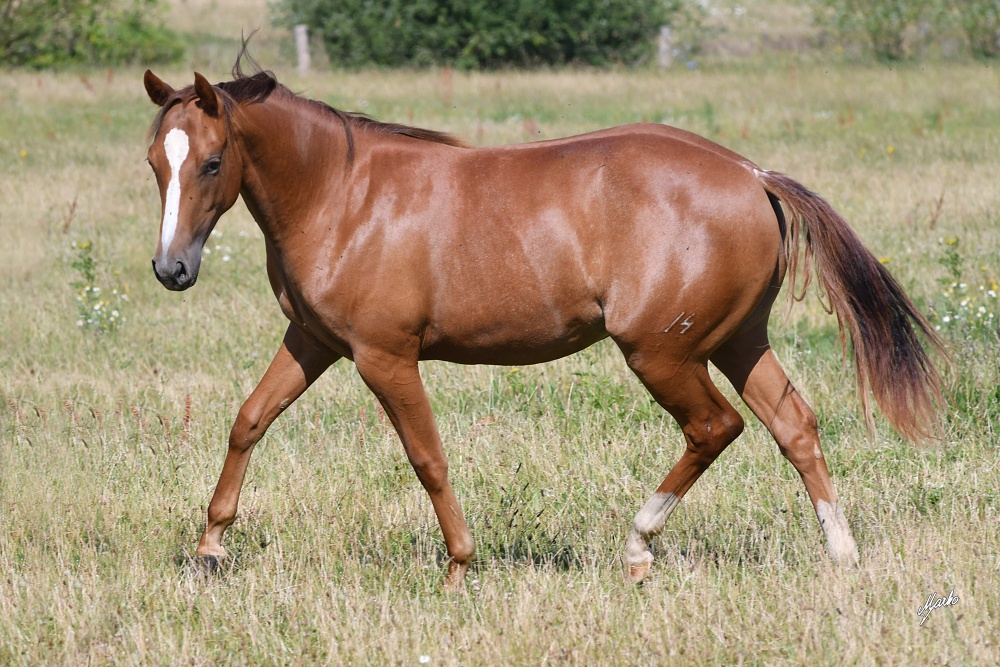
column 980, row 21
column 883, row 22
column 888, row 25
column 482, row 33
column 46, row 33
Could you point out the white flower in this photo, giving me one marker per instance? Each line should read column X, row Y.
column 424, row 659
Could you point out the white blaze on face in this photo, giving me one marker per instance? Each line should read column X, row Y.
column 175, row 145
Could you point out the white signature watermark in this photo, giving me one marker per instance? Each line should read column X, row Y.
column 934, row 602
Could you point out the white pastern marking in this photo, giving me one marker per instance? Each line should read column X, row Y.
column 175, row 145
column 648, row 522
column 654, row 513
column 843, row 549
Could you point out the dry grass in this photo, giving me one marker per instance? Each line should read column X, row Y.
column 337, row 557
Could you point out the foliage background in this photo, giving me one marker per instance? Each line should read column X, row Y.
column 47, row 33
column 482, row 33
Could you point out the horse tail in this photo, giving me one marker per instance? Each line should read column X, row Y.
column 883, row 323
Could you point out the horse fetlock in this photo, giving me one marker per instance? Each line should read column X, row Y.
column 463, row 553
column 210, row 547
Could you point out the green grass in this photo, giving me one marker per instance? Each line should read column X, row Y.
column 336, row 555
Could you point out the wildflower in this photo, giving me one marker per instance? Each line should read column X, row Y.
column 424, row 659
column 24, row 153
column 890, row 150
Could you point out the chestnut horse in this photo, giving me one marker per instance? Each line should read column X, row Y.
column 388, row 244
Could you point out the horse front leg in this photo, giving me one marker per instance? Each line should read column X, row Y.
column 395, row 381
column 297, row 364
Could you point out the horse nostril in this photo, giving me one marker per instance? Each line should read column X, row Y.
column 181, row 271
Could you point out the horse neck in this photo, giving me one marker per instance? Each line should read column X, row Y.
column 294, row 160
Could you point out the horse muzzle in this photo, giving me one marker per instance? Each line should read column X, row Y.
column 176, row 275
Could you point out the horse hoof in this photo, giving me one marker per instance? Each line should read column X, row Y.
column 454, row 582
column 452, row 585
column 845, row 554
column 636, row 572
column 208, row 564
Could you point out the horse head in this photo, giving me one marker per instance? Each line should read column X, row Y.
column 197, row 169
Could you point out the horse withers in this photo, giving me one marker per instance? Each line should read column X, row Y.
column 387, row 244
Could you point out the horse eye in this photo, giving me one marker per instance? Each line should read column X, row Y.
column 212, row 166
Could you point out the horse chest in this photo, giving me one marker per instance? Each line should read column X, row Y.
column 293, row 303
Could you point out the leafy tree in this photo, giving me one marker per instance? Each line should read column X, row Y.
column 980, row 21
column 44, row 33
column 482, row 33
column 883, row 22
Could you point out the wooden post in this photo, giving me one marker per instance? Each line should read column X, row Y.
column 302, row 47
column 666, row 54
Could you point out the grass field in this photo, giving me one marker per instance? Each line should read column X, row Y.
column 111, row 443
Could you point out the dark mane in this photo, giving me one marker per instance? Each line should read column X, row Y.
column 258, row 86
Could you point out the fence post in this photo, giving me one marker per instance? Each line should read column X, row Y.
column 302, row 47
column 666, row 54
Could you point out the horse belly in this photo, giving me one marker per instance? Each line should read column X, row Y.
column 513, row 328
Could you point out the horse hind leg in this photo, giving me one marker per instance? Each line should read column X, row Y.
column 749, row 363
column 709, row 424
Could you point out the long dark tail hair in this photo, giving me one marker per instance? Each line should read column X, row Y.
column 889, row 359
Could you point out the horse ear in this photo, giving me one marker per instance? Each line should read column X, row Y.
column 208, row 99
column 157, row 90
